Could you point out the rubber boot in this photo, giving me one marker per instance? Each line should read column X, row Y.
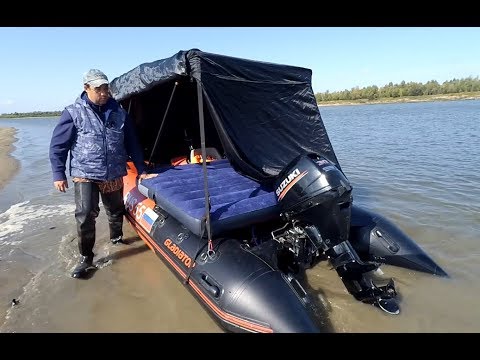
column 85, row 264
column 117, row 240
column 115, row 209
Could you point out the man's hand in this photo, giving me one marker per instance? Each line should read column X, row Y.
column 61, row 185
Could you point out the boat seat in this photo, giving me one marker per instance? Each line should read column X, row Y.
column 236, row 201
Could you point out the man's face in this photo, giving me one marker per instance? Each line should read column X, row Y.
column 98, row 95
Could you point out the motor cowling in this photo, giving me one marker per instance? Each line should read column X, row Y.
column 312, row 189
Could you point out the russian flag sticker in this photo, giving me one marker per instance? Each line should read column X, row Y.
column 148, row 218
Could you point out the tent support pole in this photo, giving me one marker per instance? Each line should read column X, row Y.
column 163, row 122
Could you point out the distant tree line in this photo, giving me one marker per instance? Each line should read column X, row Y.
column 32, row 114
column 403, row 89
column 390, row 91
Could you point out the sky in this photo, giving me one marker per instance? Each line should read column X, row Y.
column 41, row 68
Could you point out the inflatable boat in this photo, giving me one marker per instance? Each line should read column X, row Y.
column 248, row 192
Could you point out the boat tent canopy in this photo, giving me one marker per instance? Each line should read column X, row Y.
column 260, row 115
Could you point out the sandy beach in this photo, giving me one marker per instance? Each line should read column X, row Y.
column 8, row 164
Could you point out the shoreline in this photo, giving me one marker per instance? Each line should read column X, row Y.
column 411, row 99
column 473, row 95
column 8, row 163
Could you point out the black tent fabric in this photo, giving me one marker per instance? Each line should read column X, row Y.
column 263, row 114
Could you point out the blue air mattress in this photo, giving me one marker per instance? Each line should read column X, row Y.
column 236, row 201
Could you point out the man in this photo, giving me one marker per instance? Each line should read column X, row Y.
column 100, row 136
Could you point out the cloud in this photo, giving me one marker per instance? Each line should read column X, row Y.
column 6, row 102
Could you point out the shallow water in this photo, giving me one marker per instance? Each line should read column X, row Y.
column 413, row 163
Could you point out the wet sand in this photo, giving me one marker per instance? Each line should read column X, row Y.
column 8, row 164
column 131, row 292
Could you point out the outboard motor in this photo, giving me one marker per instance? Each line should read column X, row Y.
column 314, row 190
column 316, row 200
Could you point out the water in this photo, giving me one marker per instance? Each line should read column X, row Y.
column 414, row 163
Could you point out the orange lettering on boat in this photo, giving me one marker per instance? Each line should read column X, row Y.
column 179, row 253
